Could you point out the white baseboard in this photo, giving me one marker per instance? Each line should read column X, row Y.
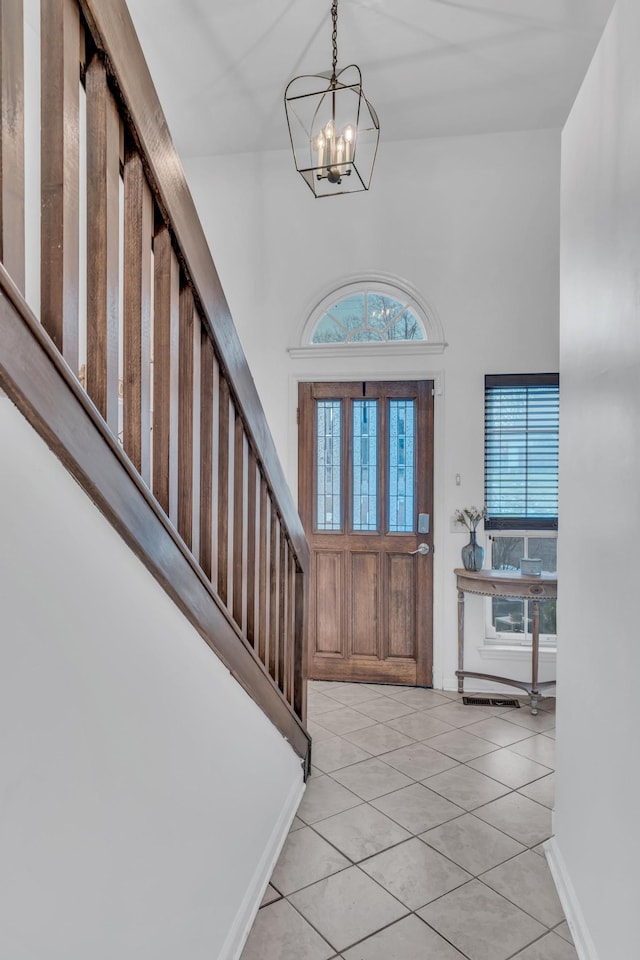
column 584, row 945
column 241, row 926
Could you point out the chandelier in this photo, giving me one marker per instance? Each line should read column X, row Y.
column 334, row 129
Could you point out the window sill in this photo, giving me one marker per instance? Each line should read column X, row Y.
column 389, row 348
column 497, row 651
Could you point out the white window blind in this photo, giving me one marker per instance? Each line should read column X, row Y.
column 521, row 451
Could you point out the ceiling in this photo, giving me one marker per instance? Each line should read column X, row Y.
column 431, row 68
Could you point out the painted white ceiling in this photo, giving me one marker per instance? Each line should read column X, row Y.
column 430, row 68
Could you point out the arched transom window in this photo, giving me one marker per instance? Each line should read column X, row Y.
column 367, row 316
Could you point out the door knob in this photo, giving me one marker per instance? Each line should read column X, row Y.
column 423, row 548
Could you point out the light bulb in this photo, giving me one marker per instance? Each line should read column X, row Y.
column 349, row 135
column 319, row 144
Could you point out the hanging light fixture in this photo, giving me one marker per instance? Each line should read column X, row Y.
column 334, row 129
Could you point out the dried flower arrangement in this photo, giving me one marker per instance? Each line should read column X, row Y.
column 470, row 516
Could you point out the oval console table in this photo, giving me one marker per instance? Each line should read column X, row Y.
column 512, row 584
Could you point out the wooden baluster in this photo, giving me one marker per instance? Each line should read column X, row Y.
column 195, row 464
column 185, row 416
column 12, row 249
column 215, row 468
column 223, row 490
column 291, row 625
column 263, row 585
column 274, row 573
column 300, row 648
column 232, row 495
column 103, row 244
column 207, row 428
column 252, row 545
column 138, row 231
column 239, row 510
column 166, row 313
column 282, row 612
column 59, row 172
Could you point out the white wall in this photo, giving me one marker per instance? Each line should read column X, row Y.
column 597, row 845
column 142, row 793
column 473, row 224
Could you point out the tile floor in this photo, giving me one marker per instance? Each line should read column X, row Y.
column 420, row 834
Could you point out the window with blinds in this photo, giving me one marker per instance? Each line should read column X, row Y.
column 521, row 451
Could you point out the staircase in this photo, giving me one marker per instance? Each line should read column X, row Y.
column 117, row 345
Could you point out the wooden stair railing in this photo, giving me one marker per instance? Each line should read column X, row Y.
column 144, row 392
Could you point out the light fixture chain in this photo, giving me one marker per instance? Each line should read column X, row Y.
column 334, row 39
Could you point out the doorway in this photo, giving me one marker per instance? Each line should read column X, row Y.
column 365, row 469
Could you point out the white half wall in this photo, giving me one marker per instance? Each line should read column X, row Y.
column 143, row 794
column 597, row 824
column 473, row 224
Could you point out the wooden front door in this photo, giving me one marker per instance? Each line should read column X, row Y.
column 365, row 489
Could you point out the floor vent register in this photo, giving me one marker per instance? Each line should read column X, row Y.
column 489, row 702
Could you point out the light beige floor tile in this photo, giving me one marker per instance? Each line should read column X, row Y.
column 544, row 720
column 419, row 761
column 280, row 933
column 466, row 787
column 417, row 808
column 523, row 819
column 542, row 791
column 305, row 858
column 318, row 732
column 539, row 849
column 419, row 698
column 296, row 825
column 563, row 931
column 550, row 947
column 379, row 739
column 474, row 845
column 498, row 730
column 420, row 725
column 539, row 748
column 329, row 755
column 371, row 778
column 347, row 907
column 549, row 733
column 526, row 881
column 450, row 694
column 354, row 694
column 458, row 714
column 384, row 708
column 317, row 685
column 482, row 924
column 270, row 895
column 319, row 704
column 385, row 689
column 509, row 768
column 361, row 832
column 461, row 745
column 324, row 797
column 547, row 703
column 408, row 939
column 345, row 720
column 415, row 873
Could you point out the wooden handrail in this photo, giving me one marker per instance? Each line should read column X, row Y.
column 187, row 439
column 40, row 383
